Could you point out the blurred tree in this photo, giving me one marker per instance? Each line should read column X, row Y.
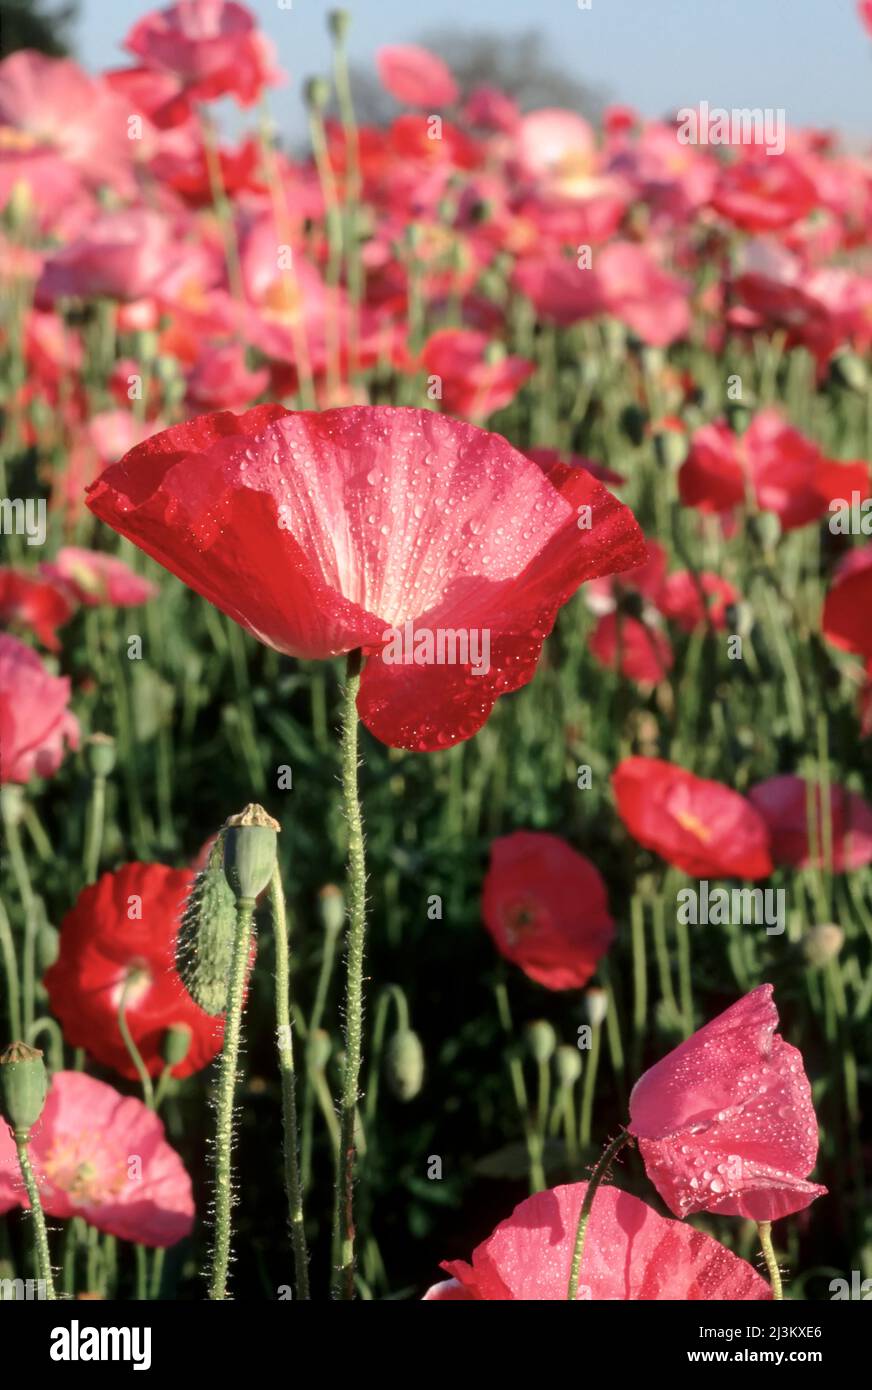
column 30, row 24
column 518, row 64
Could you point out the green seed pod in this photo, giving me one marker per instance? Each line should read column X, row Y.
column 404, row 1065
column 48, row 946
column 176, row 1043
column 331, row 907
column 101, row 754
column 822, row 944
column 23, row 1087
column 318, row 1048
column 250, row 848
column 541, row 1040
column 567, row 1064
column 204, row 946
column 316, row 91
column 339, row 22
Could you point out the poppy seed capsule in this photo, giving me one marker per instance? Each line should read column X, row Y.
column 404, row 1065
column 541, row 1040
column 339, row 22
column 822, row 944
column 48, row 946
column 250, row 846
column 101, row 754
column 23, row 1087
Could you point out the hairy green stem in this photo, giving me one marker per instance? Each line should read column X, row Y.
column 40, row 1235
column 597, row 1176
column 289, row 1085
column 764, row 1230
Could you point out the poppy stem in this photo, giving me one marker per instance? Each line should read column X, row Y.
column 289, row 1084
column 597, row 1176
column 764, row 1230
column 226, row 1092
column 343, row 1284
column 132, row 1050
column 40, row 1235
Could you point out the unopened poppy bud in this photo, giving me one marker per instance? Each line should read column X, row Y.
column 567, row 1063
column 822, row 944
column 23, row 1087
column 670, row 446
column 339, row 22
column 331, row 907
column 250, row 847
column 850, row 370
column 176, row 1044
column 12, row 803
column 317, row 93
column 404, row 1065
column 541, row 1040
column 318, row 1049
column 48, row 946
column 101, row 754
column 596, row 1003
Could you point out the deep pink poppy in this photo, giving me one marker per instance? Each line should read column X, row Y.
column 783, row 802
column 641, row 652
column 213, row 46
column 545, row 906
column 35, row 724
column 402, row 532
column 103, row 1157
column 725, row 1121
column 630, row 1254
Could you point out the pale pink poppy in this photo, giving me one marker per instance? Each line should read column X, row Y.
column 415, row 76
column 35, row 724
column 96, row 579
column 725, row 1121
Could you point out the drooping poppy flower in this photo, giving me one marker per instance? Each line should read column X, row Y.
column 476, row 377
column 783, row 802
column 103, row 1157
column 36, row 727
column 546, row 908
column 432, row 545
column 702, row 827
column 34, row 604
column 213, row 46
column 725, row 1122
column 630, row 1254
column 96, row 579
column 122, row 932
column 847, row 615
column 414, row 76
column 638, row 650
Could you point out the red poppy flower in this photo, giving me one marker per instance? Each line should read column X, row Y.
column 35, row 605
column 213, row 46
column 630, row 1254
column 639, row 651
column 647, row 579
column 474, row 383
column 546, row 908
column 98, row 580
column 725, row 1122
column 103, row 1157
column 702, row 827
column 783, row 802
column 764, row 193
column 415, row 76
column 847, row 615
column 35, row 724
column 548, row 459
column 122, row 930
column 691, row 600
column 378, row 528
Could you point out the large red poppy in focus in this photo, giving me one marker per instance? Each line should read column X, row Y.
column 324, row 532
column 725, row 1122
column 124, row 927
column 630, row 1253
column 546, row 908
column 699, row 826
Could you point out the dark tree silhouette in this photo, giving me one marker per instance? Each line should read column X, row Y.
column 31, row 24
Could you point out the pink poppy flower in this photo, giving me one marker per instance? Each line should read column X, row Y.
column 700, row 826
column 557, row 147
column 96, row 579
column 415, row 76
column 725, row 1122
column 221, row 380
column 364, row 526
column 549, row 459
column 473, row 384
column 692, row 601
column 121, row 255
column 560, row 291
column 213, row 46
column 636, row 290
column 35, row 605
column 545, row 906
column 783, row 804
column 35, row 724
column 103, row 1157
column 639, row 651
column 631, row 1254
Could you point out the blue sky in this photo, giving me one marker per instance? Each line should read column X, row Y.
column 811, row 57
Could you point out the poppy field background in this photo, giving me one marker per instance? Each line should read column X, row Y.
column 690, row 323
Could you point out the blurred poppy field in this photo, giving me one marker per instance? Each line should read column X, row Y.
column 435, row 688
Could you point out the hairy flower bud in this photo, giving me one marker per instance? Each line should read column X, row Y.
column 404, row 1065
column 541, row 1040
